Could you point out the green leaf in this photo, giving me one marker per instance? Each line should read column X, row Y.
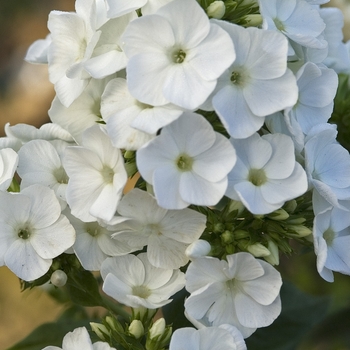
column 83, row 289
column 300, row 313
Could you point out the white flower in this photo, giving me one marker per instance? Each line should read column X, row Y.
column 167, row 233
column 331, row 241
column 211, row 338
column 187, row 163
column 79, row 339
column 266, row 174
column 83, row 112
column 327, row 164
column 40, row 163
column 174, row 53
column 74, row 37
column 296, row 19
column 317, row 89
column 242, row 291
column 8, row 166
column 258, row 82
column 96, row 176
column 33, row 231
column 134, row 282
column 94, row 242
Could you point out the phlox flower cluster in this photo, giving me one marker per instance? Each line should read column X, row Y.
column 208, row 118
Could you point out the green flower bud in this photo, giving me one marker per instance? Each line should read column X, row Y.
column 236, row 205
column 254, row 20
column 296, row 221
column 100, row 330
column 278, row 215
column 240, row 234
column 136, row 329
column 158, row 336
column 258, row 250
column 273, row 258
column 227, row 237
column 290, row 206
column 216, row 9
column 300, row 230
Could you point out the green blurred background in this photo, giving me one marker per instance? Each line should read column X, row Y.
column 25, row 97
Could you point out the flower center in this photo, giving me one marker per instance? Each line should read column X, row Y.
column 239, row 77
column 184, row 162
column 93, row 229
column 23, row 233
column 61, row 175
column 279, row 25
column 329, row 236
column 141, row 291
column 107, row 174
column 179, row 56
column 257, row 177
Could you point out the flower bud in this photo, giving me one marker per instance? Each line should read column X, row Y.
column 227, row 237
column 100, row 330
column 278, row 215
column 236, row 205
column 258, row 250
column 198, row 249
column 136, row 329
column 254, row 20
column 158, row 335
column 58, row 278
column 273, row 258
column 300, row 230
column 216, row 9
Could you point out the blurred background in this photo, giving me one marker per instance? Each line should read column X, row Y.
column 25, row 97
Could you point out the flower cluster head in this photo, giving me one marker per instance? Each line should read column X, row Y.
column 190, row 143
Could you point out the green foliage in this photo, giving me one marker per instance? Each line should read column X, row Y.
column 341, row 111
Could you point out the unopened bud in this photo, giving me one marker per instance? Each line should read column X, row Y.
column 157, row 328
column 136, row 329
column 278, row 215
column 216, row 9
column 159, row 335
column 273, row 258
column 100, row 330
column 58, row 278
column 258, row 250
column 254, row 20
column 227, row 237
column 236, row 205
column 198, row 249
column 300, row 230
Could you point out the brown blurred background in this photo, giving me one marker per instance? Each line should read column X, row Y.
column 25, row 97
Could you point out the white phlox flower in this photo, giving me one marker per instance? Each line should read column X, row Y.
column 167, row 233
column 296, row 19
column 23, row 133
column 187, row 163
column 331, row 234
column 33, row 231
column 133, row 281
column 266, row 174
column 130, row 123
column 242, row 292
column 213, row 338
column 74, row 37
column 257, row 84
column 177, row 50
column 327, row 164
column 94, row 242
column 83, row 113
column 108, row 56
column 152, row 6
column 117, row 8
column 79, row 339
column 317, row 88
column 338, row 57
column 40, row 163
column 97, row 176
column 8, row 166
